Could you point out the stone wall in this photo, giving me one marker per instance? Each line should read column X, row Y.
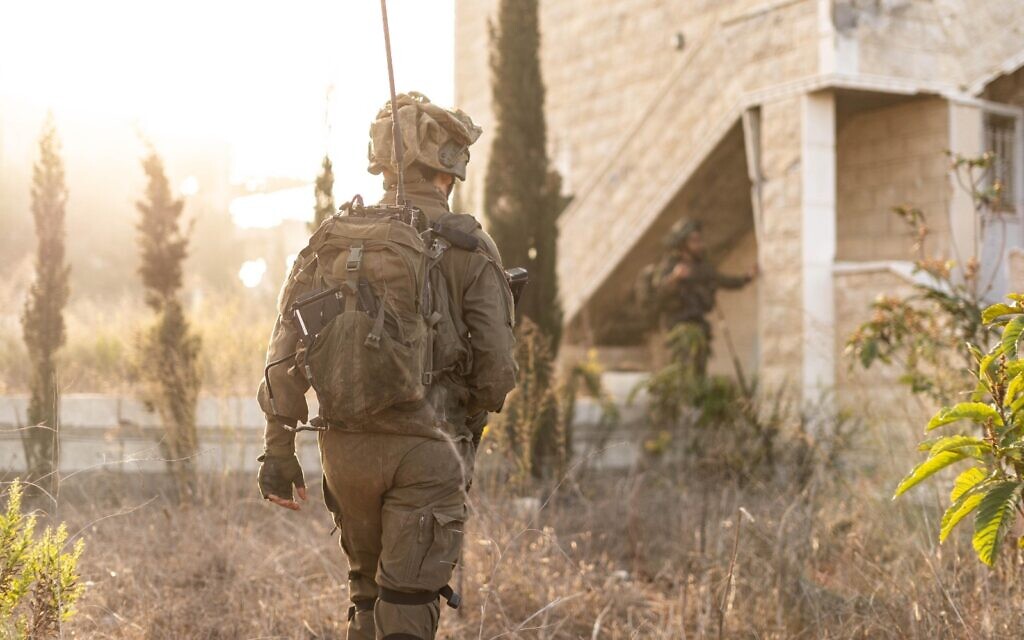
column 781, row 324
column 606, row 63
column 740, row 313
column 1008, row 89
column 872, row 395
column 892, row 156
column 473, row 92
column 699, row 104
column 610, row 55
column 949, row 42
column 1015, row 268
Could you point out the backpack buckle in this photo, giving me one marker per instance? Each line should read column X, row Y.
column 372, row 341
column 355, row 258
column 428, row 378
column 437, row 248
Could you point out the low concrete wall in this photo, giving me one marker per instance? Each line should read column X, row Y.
column 119, row 434
column 109, row 432
column 618, row 448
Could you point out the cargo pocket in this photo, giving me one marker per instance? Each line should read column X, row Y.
column 440, row 558
column 421, row 547
column 402, row 546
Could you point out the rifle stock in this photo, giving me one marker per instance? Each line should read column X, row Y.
column 517, row 278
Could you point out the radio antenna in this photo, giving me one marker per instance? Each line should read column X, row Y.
column 396, row 129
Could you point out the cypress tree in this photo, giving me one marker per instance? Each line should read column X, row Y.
column 42, row 319
column 323, row 208
column 521, row 195
column 169, row 362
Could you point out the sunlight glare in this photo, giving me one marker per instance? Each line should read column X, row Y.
column 243, row 81
column 252, row 272
column 189, row 186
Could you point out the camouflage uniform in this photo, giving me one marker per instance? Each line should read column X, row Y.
column 397, row 488
column 690, row 299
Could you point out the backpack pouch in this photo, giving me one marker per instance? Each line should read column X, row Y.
column 353, row 380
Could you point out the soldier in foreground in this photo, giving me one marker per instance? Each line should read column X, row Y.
column 418, row 349
column 687, row 284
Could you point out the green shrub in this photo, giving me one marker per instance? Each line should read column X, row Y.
column 39, row 581
column 705, row 421
column 733, row 430
column 924, row 333
column 991, row 487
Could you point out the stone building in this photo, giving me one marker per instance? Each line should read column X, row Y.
column 791, row 127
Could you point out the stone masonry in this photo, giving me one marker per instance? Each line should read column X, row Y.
column 888, row 157
column 781, row 311
column 851, row 106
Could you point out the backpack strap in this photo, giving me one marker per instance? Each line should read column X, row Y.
column 373, row 338
column 430, row 372
column 458, row 229
column 352, row 267
column 439, row 245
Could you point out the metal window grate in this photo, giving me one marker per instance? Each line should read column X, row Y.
column 1001, row 142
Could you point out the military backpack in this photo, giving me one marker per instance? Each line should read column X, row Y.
column 369, row 304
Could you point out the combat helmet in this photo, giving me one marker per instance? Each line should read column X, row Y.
column 681, row 230
column 434, row 136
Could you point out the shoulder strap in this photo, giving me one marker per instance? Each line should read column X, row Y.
column 458, row 230
column 444, row 237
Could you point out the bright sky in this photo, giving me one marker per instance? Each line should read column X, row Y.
column 250, row 75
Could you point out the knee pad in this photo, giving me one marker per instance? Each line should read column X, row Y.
column 360, row 605
column 420, row 597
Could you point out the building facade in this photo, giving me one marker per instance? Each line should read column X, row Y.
column 791, row 128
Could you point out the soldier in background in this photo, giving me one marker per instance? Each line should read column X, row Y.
column 686, row 285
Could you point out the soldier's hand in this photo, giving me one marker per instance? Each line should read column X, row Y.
column 681, row 271
column 276, row 477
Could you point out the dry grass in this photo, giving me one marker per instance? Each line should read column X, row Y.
column 642, row 555
column 225, row 567
column 101, row 353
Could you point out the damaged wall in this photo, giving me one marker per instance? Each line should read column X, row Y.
column 949, row 42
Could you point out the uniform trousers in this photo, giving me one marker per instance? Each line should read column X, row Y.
column 400, row 504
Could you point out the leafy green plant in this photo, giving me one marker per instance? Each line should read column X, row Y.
column 732, row 430
column 924, row 333
column 991, row 487
column 39, row 582
column 707, row 421
column 676, row 387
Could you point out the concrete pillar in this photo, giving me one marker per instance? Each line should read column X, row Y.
column 818, row 244
column 966, row 138
column 798, row 245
